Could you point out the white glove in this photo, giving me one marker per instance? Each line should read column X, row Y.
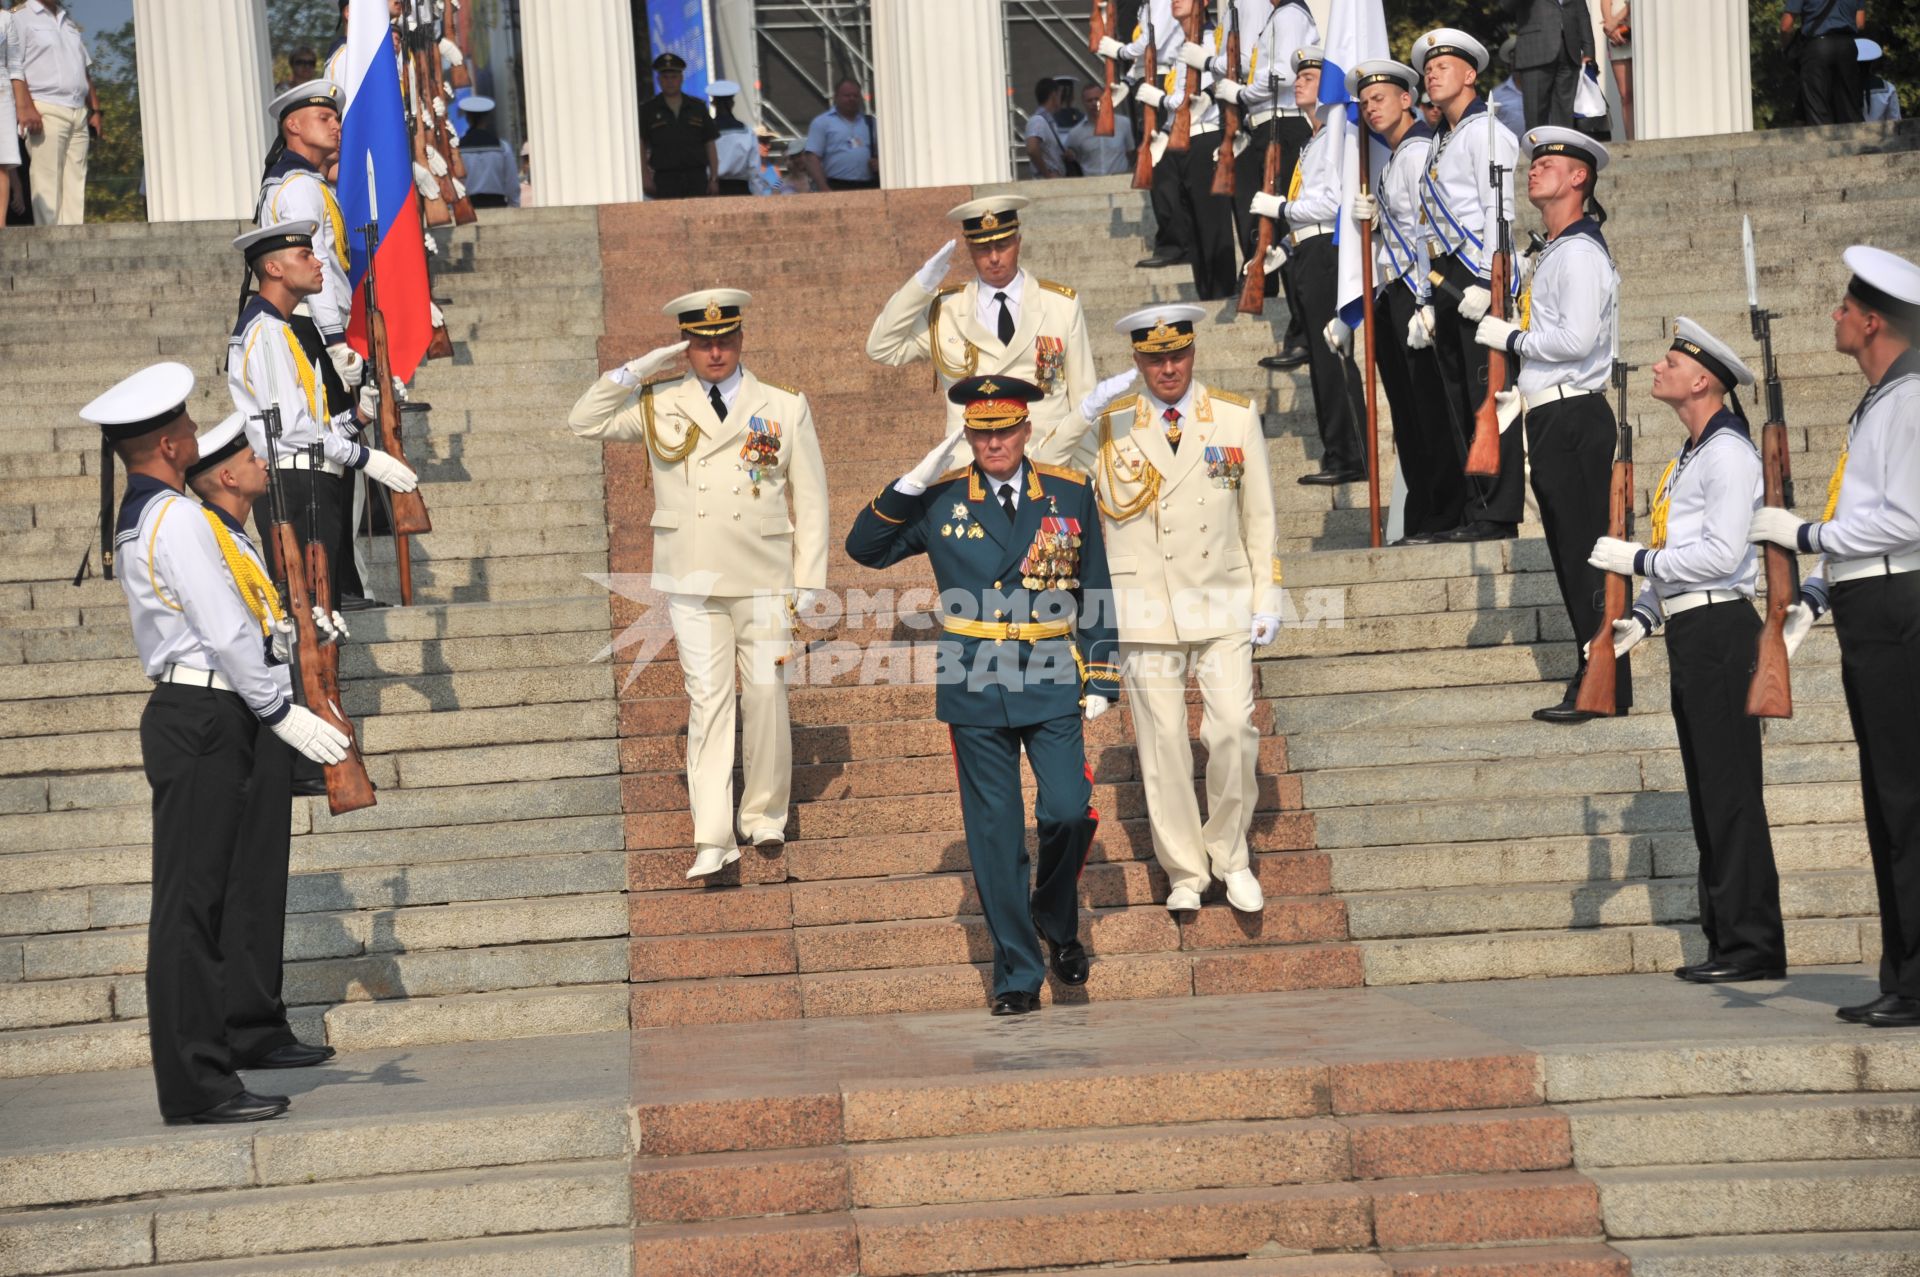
column 1228, row 91
column 1493, row 332
column 934, row 273
column 1366, row 208
column 368, row 401
column 1110, row 47
column 451, row 52
column 332, row 626
column 1507, row 407
column 282, row 642
column 347, row 363
column 653, row 361
column 307, row 733
column 1611, row 554
column 424, row 183
column 931, row 467
column 1106, row 392
column 1265, row 629
column 1800, row 619
column 382, row 468
column 459, row 189
column 1149, row 95
column 1420, row 330
column 1265, row 204
column 1475, row 303
column 1627, row 633
column 440, row 109
column 1339, row 336
column 1096, row 706
column 1193, row 55
column 1781, row 527
column 1276, row 258
column 1120, row 92
column 436, row 162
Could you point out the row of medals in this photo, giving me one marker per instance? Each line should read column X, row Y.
column 1051, row 562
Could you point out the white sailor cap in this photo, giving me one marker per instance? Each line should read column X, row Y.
column 149, row 399
column 1867, row 50
column 1572, row 143
column 1447, row 42
column 1713, row 354
column 1156, row 330
column 712, row 312
column 1382, row 71
column 1311, row 58
column 476, row 104
column 723, row 89
column 989, row 219
column 220, row 442
column 271, row 239
column 1884, row 282
column 321, row 92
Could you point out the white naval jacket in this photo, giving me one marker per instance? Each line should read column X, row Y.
column 1051, row 329
column 1457, row 201
column 1269, row 38
column 296, row 191
column 1197, row 562
column 1879, row 508
column 714, row 536
column 1401, row 252
column 1715, row 487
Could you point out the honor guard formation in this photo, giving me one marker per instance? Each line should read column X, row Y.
column 1087, row 535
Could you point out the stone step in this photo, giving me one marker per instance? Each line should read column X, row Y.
column 1758, row 1128
column 1809, row 1254
column 587, row 1252
column 1791, row 1197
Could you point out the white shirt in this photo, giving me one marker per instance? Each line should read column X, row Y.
column 1018, row 482
column 1402, row 252
column 1168, row 36
column 262, row 370
column 729, row 389
column 986, row 308
column 1716, row 486
column 50, row 55
column 184, row 603
column 1269, row 38
column 1879, row 508
column 1883, row 101
column 1320, row 185
column 1053, row 147
column 1158, row 407
column 1457, row 200
column 737, row 150
column 1102, row 156
column 296, row 191
column 1569, row 336
column 493, row 170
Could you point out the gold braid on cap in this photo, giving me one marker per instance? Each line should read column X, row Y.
column 1162, row 337
column 994, row 414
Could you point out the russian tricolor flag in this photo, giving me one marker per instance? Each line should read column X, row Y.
column 376, row 185
column 1356, row 33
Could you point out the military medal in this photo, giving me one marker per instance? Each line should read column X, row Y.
column 761, row 451
column 1054, row 556
column 1049, row 361
column 1225, row 466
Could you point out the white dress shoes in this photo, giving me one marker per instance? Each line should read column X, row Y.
column 1182, row 899
column 712, row 860
column 768, row 836
column 1243, row 891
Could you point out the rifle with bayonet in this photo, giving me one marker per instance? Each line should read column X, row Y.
column 320, row 577
column 1103, row 25
column 1770, row 694
column 1180, row 128
column 1483, row 455
column 409, row 509
column 1599, row 683
column 1253, row 291
column 1149, row 117
column 1230, row 114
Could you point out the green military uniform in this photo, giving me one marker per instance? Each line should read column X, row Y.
column 676, row 141
column 1026, row 611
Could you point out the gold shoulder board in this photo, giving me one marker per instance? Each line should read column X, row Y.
column 1052, row 287
column 792, row 390
column 664, row 379
column 1227, row 396
column 949, row 290
column 1061, row 472
column 958, row 472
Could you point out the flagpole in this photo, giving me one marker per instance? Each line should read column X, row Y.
column 1366, row 322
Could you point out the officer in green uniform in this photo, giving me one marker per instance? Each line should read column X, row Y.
column 1027, row 613
column 677, row 134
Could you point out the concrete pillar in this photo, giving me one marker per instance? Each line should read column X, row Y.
column 205, row 134
column 1691, row 74
column 940, row 92
column 583, row 106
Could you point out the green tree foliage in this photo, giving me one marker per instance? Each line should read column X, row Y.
column 293, row 24
column 116, row 162
column 1894, row 24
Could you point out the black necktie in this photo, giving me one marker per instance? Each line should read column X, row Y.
column 1006, row 319
column 1006, row 500
column 719, row 404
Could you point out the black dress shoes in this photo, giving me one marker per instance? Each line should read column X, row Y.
column 1417, row 538
column 1730, row 973
column 1686, row 972
column 1567, row 711
column 360, row 603
column 1015, row 1002
column 294, row 1055
column 1069, row 961
column 1331, row 478
column 244, row 1107
column 1162, row 259
column 1858, row 1014
column 1893, row 1012
column 1291, row 357
column 1480, row 530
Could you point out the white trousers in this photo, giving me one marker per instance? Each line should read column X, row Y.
column 58, row 154
column 1155, row 676
column 718, row 637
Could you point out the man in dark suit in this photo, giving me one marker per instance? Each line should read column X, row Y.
column 1025, row 655
column 1554, row 41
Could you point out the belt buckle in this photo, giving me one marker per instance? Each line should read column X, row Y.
column 1013, row 631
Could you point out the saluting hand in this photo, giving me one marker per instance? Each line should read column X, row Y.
column 653, row 361
column 1109, row 389
column 931, row 467
column 934, row 273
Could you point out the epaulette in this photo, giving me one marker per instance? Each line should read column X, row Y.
column 792, row 390
column 664, row 379
column 949, row 290
column 1061, row 472
column 1227, row 396
column 958, row 472
column 1052, row 287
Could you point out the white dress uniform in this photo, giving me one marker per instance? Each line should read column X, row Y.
column 267, row 366
column 728, row 553
column 959, row 327
column 295, row 190
column 1269, row 37
column 1189, row 531
column 1457, row 198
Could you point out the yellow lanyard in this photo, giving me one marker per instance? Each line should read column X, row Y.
column 1833, row 484
column 256, row 590
column 1526, row 306
column 316, row 390
column 1293, row 187
column 342, row 251
column 1662, row 502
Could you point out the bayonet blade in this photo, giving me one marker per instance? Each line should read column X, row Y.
column 1753, row 270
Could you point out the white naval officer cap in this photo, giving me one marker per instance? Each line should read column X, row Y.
column 1155, row 330
column 990, row 218
column 723, row 89
column 1867, row 50
column 218, row 443
column 1572, row 143
column 149, row 399
column 475, row 104
column 321, row 92
column 711, row 312
column 1447, row 42
column 271, row 239
column 1712, row 354
column 1887, row 283
column 1311, row 58
column 1382, row 71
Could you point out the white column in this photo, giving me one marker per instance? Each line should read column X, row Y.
column 940, row 92
column 583, row 109
column 205, row 81
column 1691, row 75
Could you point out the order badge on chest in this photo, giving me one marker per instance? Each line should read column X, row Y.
column 760, row 454
column 963, row 524
column 1226, row 466
column 1053, row 560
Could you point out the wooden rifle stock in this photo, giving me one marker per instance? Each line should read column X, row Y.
column 1599, row 684
column 320, row 582
column 1483, row 457
column 1229, row 115
column 1180, row 128
column 1103, row 17
column 1770, row 694
column 1096, row 26
column 409, row 508
column 1149, row 123
column 435, row 210
column 1253, row 290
